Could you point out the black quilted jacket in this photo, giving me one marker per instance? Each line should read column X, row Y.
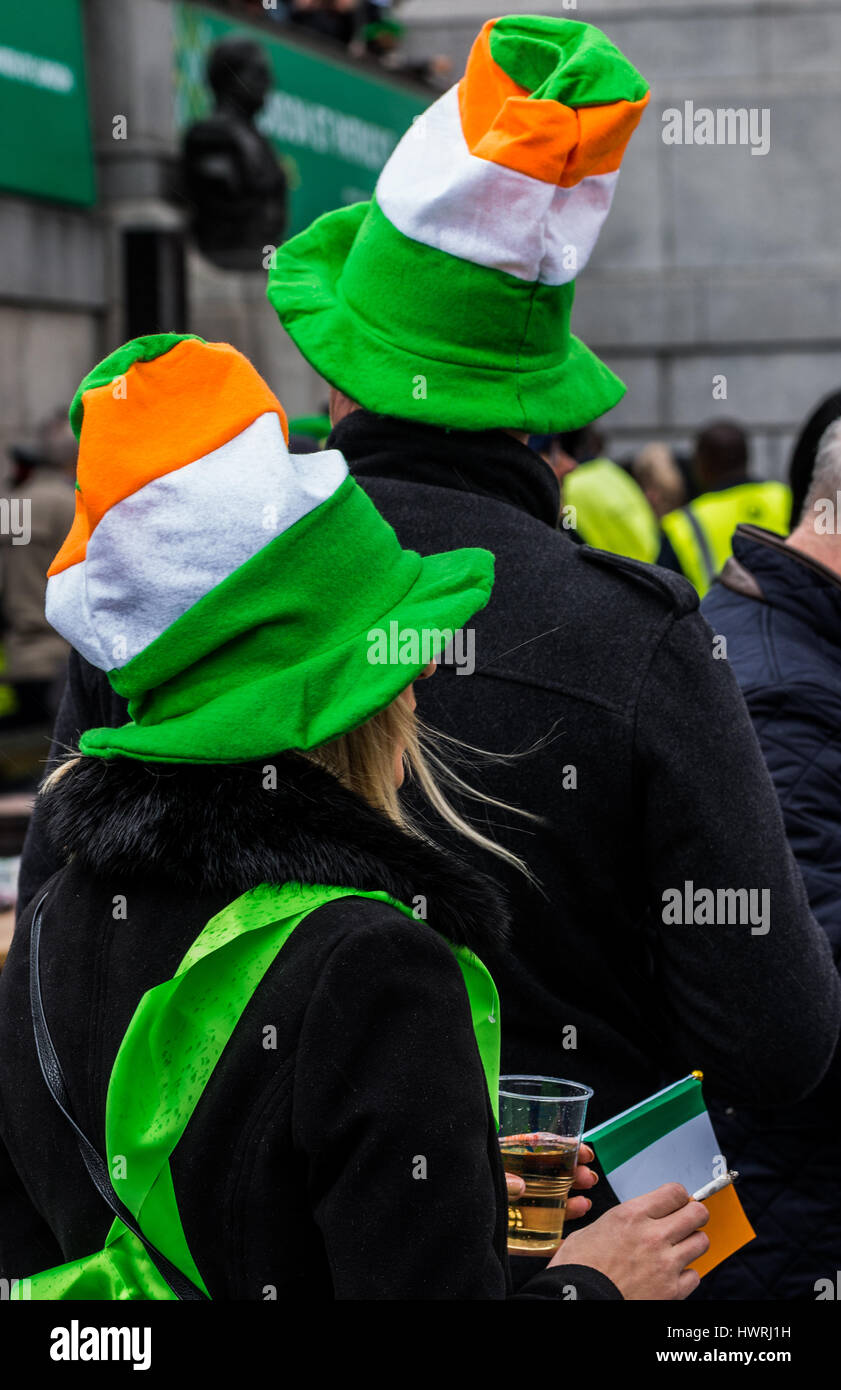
column 781, row 615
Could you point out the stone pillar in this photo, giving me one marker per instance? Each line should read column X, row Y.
column 130, row 61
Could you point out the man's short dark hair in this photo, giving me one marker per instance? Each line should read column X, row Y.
column 721, row 449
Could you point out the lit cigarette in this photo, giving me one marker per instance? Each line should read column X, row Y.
column 707, row 1191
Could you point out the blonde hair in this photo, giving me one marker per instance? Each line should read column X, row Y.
column 53, row 778
column 657, row 473
column 363, row 761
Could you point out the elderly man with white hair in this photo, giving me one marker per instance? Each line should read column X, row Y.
column 778, row 604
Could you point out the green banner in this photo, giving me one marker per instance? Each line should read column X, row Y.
column 45, row 139
column 333, row 126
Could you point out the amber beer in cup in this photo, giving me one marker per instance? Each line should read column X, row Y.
column 541, row 1120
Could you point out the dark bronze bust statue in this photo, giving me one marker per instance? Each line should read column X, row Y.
column 232, row 177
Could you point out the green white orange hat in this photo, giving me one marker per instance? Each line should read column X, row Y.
column 447, row 298
column 228, row 587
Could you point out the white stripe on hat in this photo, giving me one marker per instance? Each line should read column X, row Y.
column 162, row 548
column 438, row 193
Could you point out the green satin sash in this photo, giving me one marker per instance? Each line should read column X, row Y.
column 176, row 1036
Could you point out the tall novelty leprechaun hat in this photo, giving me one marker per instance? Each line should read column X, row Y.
column 229, row 588
column 447, row 298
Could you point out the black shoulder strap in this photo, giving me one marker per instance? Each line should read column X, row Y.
column 181, row 1286
column 703, row 544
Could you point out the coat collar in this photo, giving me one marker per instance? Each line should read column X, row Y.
column 764, row 568
column 489, row 463
column 218, row 828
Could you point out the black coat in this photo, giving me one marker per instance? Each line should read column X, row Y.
column 295, row 1172
column 609, row 663
column 781, row 615
column 602, row 665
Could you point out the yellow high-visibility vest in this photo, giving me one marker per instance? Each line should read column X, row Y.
column 701, row 533
column 611, row 510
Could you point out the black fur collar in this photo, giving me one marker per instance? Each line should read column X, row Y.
column 216, row 827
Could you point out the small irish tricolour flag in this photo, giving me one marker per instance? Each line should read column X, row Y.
column 669, row 1138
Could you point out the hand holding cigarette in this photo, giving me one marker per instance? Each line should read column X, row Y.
column 715, row 1186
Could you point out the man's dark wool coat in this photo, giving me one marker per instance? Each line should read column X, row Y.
column 639, row 757
column 297, row 1171
column 780, row 612
column 647, row 774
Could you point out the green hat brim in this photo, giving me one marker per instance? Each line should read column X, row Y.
column 305, row 289
column 329, row 693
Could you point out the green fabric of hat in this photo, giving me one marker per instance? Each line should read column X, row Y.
column 239, row 597
column 447, row 298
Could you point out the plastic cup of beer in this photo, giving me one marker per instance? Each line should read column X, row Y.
column 541, row 1120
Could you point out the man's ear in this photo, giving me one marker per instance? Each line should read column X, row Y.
column 339, row 405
